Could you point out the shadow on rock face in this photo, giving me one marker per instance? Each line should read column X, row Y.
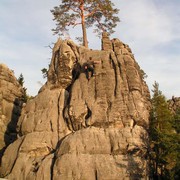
column 11, row 133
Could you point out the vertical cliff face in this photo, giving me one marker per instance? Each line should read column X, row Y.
column 10, row 106
column 84, row 128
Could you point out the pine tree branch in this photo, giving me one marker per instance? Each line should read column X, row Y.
column 91, row 13
column 76, row 11
column 75, row 24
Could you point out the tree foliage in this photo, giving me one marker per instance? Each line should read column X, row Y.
column 44, row 72
column 21, row 79
column 176, row 125
column 98, row 13
column 163, row 138
column 21, row 82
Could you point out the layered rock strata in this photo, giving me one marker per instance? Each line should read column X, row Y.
column 77, row 128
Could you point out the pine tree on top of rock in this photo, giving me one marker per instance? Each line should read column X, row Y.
column 86, row 13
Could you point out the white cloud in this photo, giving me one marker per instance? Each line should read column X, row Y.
column 150, row 27
column 144, row 21
column 25, row 31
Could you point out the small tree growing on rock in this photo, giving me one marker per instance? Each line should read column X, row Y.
column 86, row 13
column 44, row 72
column 21, row 79
column 21, row 82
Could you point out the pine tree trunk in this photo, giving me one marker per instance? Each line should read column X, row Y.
column 85, row 41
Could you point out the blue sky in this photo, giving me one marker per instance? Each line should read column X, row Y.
column 150, row 27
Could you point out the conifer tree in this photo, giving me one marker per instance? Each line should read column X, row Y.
column 44, row 72
column 87, row 13
column 163, row 154
column 21, row 82
column 21, row 79
column 176, row 140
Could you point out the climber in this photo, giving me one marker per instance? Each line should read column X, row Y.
column 88, row 70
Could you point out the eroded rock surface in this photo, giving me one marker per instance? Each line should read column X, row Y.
column 174, row 104
column 77, row 128
column 10, row 106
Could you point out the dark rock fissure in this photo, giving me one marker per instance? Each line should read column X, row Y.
column 58, row 124
column 88, row 115
column 76, row 71
column 66, row 117
column 51, row 125
column 116, row 80
column 56, row 62
column 96, row 175
column 52, row 166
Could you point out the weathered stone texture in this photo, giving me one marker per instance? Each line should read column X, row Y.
column 10, row 106
column 77, row 128
column 174, row 104
column 65, row 55
column 106, row 42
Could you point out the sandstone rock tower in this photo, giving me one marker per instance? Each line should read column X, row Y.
column 10, row 106
column 77, row 128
